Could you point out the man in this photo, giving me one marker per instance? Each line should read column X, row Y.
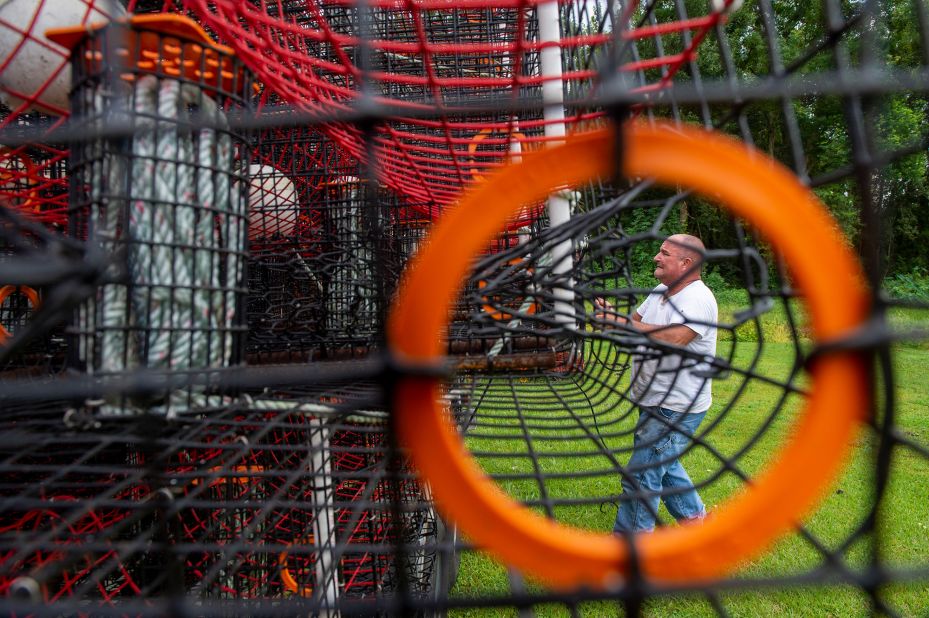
column 671, row 390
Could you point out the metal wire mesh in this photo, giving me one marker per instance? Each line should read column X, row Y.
column 314, row 250
column 168, row 207
column 264, row 478
column 248, row 505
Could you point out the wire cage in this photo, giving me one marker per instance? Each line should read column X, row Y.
column 178, row 236
column 250, row 505
column 34, row 180
column 314, row 244
column 435, row 57
column 35, row 79
column 32, row 337
column 426, row 232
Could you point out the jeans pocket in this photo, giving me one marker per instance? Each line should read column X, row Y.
column 670, row 436
column 668, row 414
column 666, row 441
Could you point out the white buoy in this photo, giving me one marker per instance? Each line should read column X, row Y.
column 720, row 5
column 272, row 203
column 32, row 68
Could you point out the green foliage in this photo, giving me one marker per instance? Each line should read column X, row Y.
column 913, row 285
column 898, row 191
column 820, row 148
column 714, row 280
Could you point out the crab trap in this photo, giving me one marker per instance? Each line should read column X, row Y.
column 448, row 306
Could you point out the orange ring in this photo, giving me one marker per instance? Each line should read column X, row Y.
column 5, row 292
column 29, row 172
column 288, row 580
column 754, row 188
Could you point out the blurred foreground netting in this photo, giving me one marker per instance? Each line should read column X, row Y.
column 200, row 250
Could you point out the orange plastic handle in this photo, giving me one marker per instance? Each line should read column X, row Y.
column 753, row 187
column 497, row 315
column 182, row 49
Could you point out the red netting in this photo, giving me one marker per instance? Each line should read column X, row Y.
column 439, row 56
column 35, row 78
column 71, row 534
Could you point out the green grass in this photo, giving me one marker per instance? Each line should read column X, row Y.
column 908, row 320
column 905, row 515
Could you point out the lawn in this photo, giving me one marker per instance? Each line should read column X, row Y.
column 749, row 421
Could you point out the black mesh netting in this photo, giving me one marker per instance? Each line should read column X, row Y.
column 199, row 255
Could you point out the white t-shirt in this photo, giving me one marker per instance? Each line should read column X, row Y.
column 671, row 383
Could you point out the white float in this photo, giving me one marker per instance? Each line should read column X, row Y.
column 32, row 68
column 272, row 203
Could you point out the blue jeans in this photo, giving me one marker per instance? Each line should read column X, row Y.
column 655, row 472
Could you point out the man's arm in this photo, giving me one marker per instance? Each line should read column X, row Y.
column 676, row 334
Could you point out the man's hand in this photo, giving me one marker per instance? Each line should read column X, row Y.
column 603, row 310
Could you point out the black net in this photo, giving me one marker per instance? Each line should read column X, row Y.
column 198, row 397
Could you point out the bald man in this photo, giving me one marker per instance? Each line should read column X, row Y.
column 672, row 391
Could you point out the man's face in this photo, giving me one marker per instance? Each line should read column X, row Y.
column 670, row 263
